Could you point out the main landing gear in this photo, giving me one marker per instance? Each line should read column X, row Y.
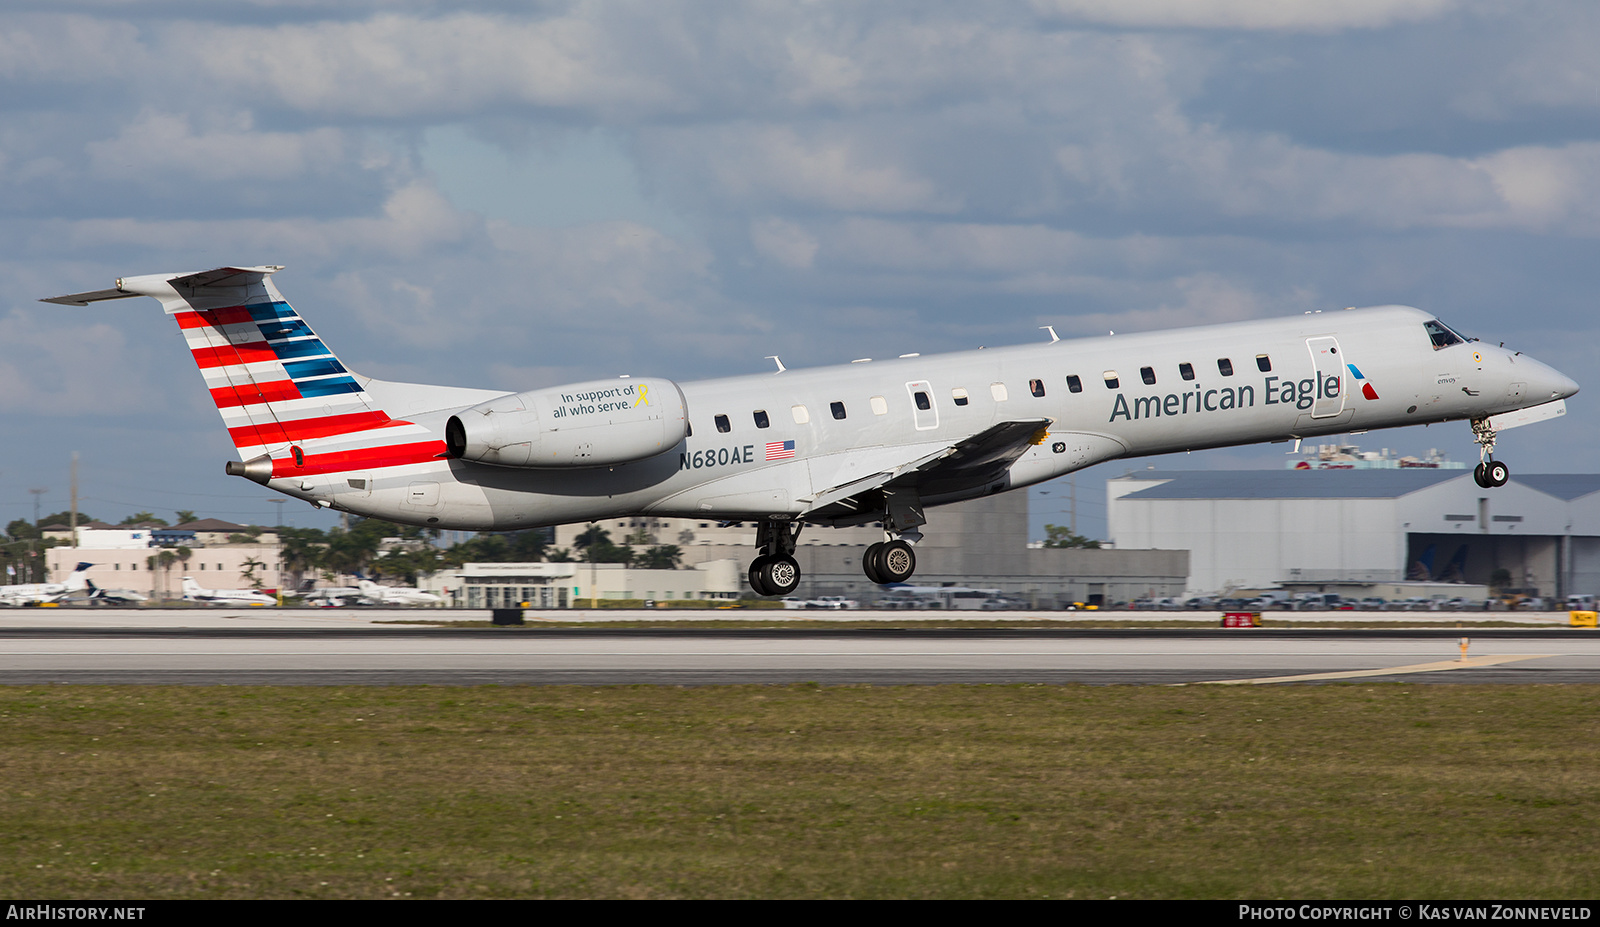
column 1489, row 472
column 893, row 560
column 889, row 562
column 775, row 571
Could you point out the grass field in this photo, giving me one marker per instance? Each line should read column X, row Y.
column 1340, row 791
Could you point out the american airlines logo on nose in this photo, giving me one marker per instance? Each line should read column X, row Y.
column 1366, row 388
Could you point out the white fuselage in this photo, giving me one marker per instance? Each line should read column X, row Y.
column 748, row 472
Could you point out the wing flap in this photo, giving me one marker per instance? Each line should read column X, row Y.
column 974, row 458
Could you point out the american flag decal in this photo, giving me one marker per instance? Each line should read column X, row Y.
column 780, row 450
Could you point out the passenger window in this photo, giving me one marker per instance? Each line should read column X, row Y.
column 1148, row 374
column 1263, row 363
column 1111, row 379
column 761, row 419
column 959, row 395
column 923, row 402
column 1186, row 371
column 1074, row 385
column 838, row 409
column 1036, row 387
column 998, row 391
column 802, row 415
column 1441, row 336
column 1225, row 366
column 879, row 406
column 722, row 424
column 688, row 429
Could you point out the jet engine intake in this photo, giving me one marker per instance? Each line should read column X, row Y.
column 593, row 424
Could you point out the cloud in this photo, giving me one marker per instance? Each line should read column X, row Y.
column 395, row 66
column 827, row 168
column 164, row 144
column 784, row 242
column 1273, row 15
column 89, row 370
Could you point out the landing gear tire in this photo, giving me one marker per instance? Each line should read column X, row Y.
column 758, row 576
column 782, row 575
column 1491, row 473
column 872, row 563
column 896, row 562
column 771, row 575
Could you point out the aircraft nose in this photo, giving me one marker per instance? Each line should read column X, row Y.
column 1552, row 383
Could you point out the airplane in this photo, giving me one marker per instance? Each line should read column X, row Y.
column 114, row 597
column 192, row 592
column 852, row 444
column 333, row 596
column 45, row 593
column 395, row 595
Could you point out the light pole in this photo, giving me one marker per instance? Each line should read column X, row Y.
column 33, row 554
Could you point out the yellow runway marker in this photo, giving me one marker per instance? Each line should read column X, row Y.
column 1386, row 671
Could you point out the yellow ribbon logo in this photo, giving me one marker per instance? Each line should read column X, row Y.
column 644, row 396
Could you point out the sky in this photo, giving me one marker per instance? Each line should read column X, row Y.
column 522, row 194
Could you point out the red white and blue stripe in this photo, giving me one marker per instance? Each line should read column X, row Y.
column 780, row 450
column 282, row 392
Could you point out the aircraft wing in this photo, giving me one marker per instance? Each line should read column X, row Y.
column 969, row 462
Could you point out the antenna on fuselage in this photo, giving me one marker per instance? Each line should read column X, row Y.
column 774, row 359
column 1052, row 330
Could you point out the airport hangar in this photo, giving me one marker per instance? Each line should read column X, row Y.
column 1361, row 531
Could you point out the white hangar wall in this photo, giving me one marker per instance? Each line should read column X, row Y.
column 1258, row 528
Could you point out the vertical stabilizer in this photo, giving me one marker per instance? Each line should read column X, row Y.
column 290, row 406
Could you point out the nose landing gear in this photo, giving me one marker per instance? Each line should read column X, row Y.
column 1489, row 472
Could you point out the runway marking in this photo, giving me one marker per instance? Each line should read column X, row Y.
column 1387, row 671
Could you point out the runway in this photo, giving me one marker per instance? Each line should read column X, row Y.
column 548, row 656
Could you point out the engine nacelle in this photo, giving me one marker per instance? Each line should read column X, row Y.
column 594, row 424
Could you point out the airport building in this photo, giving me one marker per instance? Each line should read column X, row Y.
column 1342, row 530
column 559, row 585
column 145, row 559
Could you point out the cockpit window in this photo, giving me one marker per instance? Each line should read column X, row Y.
column 1441, row 336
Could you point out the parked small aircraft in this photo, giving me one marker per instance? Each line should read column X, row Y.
column 396, row 595
column 114, row 597
column 859, row 443
column 192, row 592
column 43, row 593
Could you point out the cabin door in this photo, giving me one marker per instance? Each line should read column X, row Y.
column 1330, row 376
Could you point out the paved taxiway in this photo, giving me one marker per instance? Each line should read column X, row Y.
column 258, row 648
